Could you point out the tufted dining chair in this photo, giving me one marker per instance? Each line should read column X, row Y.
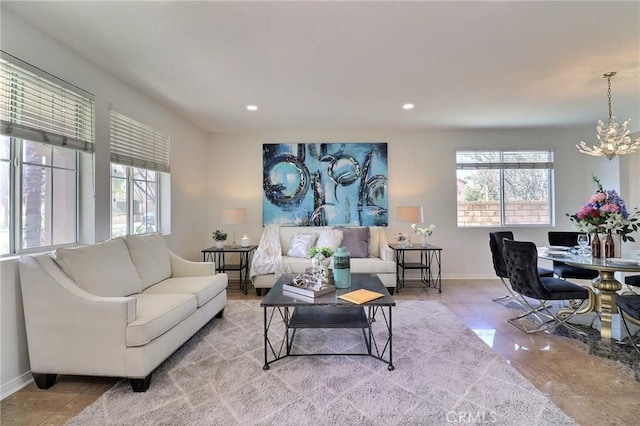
column 561, row 269
column 629, row 306
column 521, row 259
column 496, row 246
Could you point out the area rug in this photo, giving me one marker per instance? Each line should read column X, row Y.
column 443, row 374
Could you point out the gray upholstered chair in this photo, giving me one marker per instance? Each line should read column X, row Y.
column 495, row 244
column 521, row 259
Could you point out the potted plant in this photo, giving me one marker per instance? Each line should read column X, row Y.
column 326, row 251
column 220, row 237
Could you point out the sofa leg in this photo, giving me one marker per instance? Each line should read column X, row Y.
column 141, row 385
column 259, row 291
column 220, row 314
column 44, row 381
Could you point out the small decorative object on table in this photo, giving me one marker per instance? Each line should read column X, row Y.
column 609, row 247
column 402, row 239
column 220, row 237
column 308, row 285
column 423, row 232
column 342, row 268
column 245, row 241
column 320, row 261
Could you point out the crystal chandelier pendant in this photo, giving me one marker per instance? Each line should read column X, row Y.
column 614, row 138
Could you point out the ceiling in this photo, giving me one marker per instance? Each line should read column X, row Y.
column 352, row 65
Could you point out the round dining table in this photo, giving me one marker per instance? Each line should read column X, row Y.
column 605, row 285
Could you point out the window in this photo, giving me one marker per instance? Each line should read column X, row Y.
column 504, row 188
column 139, row 160
column 44, row 122
column 134, row 207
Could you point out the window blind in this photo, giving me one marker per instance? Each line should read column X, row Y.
column 138, row 145
column 44, row 108
column 476, row 160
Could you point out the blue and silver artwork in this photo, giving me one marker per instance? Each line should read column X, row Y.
column 319, row 184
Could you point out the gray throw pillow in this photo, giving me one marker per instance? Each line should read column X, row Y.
column 356, row 241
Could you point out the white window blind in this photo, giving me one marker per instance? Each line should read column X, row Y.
column 502, row 160
column 138, row 145
column 43, row 109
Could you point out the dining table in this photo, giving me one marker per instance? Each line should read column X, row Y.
column 605, row 284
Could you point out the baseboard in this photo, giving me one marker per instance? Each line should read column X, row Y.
column 15, row 385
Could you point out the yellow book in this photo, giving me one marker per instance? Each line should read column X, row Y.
column 360, row 296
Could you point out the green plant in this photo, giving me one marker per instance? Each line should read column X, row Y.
column 219, row 235
column 326, row 251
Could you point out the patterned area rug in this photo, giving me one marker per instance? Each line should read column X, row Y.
column 443, row 374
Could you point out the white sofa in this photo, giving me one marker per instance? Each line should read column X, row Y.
column 117, row 308
column 380, row 259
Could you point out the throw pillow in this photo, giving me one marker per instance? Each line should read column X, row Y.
column 301, row 245
column 104, row 269
column 356, row 241
column 331, row 238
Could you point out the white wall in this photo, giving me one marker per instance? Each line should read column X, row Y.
column 421, row 172
column 189, row 179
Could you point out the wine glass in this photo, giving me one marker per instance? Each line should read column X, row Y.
column 583, row 241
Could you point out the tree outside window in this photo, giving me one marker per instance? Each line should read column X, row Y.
column 504, row 188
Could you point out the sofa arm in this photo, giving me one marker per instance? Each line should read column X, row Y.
column 387, row 254
column 181, row 267
column 65, row 324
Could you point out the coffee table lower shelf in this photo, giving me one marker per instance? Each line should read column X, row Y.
column 338, row 317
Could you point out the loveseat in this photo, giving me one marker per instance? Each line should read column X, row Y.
column 368, row 248
column 117, row 308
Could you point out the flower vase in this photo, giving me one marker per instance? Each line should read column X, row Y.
column 219, row 244
column 609, row 246
column 424, row 240
column 596, row 246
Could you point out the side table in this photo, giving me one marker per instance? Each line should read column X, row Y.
column 217, row 255
column 430, row 259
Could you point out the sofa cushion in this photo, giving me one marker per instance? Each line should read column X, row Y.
column 331, row 238
column 102, row 269
column 156, row 314
column 301, row 245
column 371, row 265
column 204, row 288
column 356, row 241
column 150, row 256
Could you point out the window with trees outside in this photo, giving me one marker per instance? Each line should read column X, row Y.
column 139, row 162
column 44, row 124
column 134, row 208
column 504, row 188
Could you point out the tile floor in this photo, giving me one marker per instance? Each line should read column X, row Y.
column 589, row 389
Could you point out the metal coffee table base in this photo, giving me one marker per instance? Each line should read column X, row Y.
column 327, row 317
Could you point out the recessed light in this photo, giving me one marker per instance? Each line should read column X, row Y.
column 407, row 106
column 252, row 107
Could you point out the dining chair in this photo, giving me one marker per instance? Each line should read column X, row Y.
column 633, row 280
column 629, row 306
column 495, row 244
column 521, row 259
column 561, row 269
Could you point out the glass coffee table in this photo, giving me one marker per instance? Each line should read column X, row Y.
column 284, row 315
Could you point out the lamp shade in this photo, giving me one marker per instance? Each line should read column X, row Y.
column 234, row 216
column 410, row 214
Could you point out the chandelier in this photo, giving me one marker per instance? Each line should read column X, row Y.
column 614, row 138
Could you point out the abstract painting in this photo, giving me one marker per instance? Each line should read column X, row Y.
column 320, row 184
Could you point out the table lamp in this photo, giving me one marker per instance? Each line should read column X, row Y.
column 234, row 216
column 410, row 215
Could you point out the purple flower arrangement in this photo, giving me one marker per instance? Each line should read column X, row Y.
column 606, row 211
